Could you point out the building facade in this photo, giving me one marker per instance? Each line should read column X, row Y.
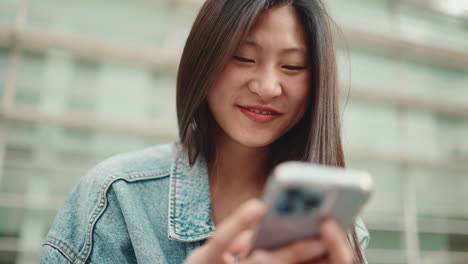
column 83, row 80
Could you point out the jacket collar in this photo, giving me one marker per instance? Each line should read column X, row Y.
column 189, row 199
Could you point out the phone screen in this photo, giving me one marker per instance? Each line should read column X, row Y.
column 295, row 200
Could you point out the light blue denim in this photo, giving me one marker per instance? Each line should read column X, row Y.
column 148, row 206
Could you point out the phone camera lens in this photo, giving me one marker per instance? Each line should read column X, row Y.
column 293, row 193
column 311, row 203
column 287, row 201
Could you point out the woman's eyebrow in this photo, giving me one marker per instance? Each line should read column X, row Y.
column 287, row 50
column 251, row 43
column 293, row 50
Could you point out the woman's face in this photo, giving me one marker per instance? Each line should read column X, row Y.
column 264, row 89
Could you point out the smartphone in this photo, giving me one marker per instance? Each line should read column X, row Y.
column 299, row 195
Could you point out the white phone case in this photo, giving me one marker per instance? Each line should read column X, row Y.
column 299, row 195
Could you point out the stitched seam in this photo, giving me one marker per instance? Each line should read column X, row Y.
column 60, row 250
column 174, row 205
column 172, row 194
column 103, row 202
column 63, row 246
column 201, row 233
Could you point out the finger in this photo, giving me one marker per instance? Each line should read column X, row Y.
column 242, row 244
column 242, row 219
column 335, row 239
column 301, row 251
column 261, row 257
column 228, row 258
column 321, row 260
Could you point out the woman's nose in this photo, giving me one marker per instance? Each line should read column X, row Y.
column 266, row 85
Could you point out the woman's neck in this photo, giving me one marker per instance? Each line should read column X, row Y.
column 236, row 174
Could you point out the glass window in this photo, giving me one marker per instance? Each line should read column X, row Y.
column 437, row 83
column 368, row 70
column 15, row 175
column 421, row 132
column 161, row 100
column 80, row 104
column 79, row 135
column 73, row 156
column 30, row 73
column 181, row 20
column 371, row 127
column 8, row 257
column 81, row 94
column 9, row 221
column 436, row 29
column 387, row 198
column 108, row 143
column 443, row 248
column 18, row 153
column 8, row 10
column 451, row 137
column 31, row 64
column 28, row 95
column 387, row 239
column 124, row 95
column 368, row 15
column 75, row 145
column 443, row 242
column 56, row 179
column 4, row 54
column 23, row 128
column 386, row 247
column 440, row 193
column 463, row 140
column 145, row 22
column 85, row 73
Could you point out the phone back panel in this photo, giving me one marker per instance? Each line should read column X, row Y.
column 300, row 195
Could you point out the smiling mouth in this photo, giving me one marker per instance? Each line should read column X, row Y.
column 261, row 110
column 260, row 114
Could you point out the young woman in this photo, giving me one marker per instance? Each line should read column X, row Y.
column 257, row 86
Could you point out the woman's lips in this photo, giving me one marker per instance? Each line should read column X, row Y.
column 260, row 114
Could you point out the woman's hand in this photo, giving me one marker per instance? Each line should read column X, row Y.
column 233, row 237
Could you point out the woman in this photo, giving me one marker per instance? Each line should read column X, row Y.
column 256, row 86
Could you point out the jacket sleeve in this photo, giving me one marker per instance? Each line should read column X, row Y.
column 363, row 237
column 362, row 233
column 69, row 239
column 51, row 255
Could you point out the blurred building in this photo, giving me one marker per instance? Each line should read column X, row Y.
column 83, row 80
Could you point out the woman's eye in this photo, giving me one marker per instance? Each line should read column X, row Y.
column 243, row 59
column 293, row 68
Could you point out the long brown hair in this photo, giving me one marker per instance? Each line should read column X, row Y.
column 219, row 28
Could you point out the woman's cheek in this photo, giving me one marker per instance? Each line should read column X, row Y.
column 298, row 91
column 234, row 74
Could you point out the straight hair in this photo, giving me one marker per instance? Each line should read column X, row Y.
column 219, row 28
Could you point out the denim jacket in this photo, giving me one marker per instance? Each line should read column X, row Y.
column 147, row 206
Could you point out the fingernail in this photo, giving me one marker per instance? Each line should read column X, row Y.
column 316, row 248
column 255, row 206
column 327, row 226
column 261, row 257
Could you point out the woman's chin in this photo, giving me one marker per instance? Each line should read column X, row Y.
column 251, row 138
column 255, row 142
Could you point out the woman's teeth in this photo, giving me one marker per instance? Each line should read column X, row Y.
column 260, row 112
